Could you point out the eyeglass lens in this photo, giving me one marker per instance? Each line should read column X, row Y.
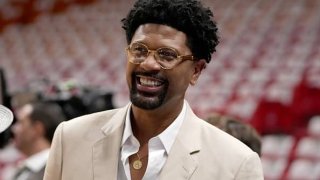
column 141, row 51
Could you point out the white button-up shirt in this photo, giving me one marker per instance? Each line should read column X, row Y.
column 34, row 164
column 158, row 148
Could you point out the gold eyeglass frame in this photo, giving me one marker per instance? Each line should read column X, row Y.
column 179, row 59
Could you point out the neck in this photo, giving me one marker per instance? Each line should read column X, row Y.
column 149, row 123
column 37, row 147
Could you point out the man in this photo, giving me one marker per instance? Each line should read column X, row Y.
column 156, row 136
column 33, row 132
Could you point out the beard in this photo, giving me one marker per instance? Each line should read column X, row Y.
column 145, row 100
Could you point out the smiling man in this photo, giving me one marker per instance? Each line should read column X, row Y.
column 157, row 135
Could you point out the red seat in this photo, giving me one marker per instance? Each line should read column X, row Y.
column 272, row 117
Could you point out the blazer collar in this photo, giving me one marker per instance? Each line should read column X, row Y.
column 106, row 150
column 182, row 160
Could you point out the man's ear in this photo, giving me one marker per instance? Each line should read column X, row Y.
column 199, row 66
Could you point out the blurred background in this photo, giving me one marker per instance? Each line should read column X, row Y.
column 266, row 71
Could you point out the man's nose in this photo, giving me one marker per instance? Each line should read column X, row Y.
column 150, row 63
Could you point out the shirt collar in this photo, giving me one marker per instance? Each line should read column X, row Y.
column 129, row 143
column 37, row 161
column 127, row 128
column 167, row 137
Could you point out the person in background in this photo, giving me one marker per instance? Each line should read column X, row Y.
column 33, row 133
column 156, row 135
column 238, row 129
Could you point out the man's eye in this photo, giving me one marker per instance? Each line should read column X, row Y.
column 168, row 54
column 139, row 49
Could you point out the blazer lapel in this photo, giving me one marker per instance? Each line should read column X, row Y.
column 182, row 160
column 180, row 164
column 105, row 151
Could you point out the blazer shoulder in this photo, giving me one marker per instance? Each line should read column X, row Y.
column 236, row 160
column 207, row 136
column 90, row 118
column 219, row 138
column 90, row 124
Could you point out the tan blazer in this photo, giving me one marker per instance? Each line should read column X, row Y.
column 88, row 148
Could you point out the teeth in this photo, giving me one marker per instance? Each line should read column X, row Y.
column 148, row 82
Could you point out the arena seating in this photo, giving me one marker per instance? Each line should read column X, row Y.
column 266, row 71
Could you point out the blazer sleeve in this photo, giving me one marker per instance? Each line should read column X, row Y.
column 53, row 169
column 251, row 169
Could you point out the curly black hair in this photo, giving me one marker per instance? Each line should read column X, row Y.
column 188, row 16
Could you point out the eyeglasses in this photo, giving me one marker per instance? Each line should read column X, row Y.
column 167, row 57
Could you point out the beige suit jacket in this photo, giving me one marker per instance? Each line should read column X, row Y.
column 87, row 148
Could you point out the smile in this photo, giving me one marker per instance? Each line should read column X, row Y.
column 150, row 82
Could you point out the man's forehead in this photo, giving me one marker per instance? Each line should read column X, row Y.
column 167, row 36
column 158, row 28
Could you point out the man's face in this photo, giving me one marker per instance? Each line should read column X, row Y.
column 24, row 131
column 151, row 86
